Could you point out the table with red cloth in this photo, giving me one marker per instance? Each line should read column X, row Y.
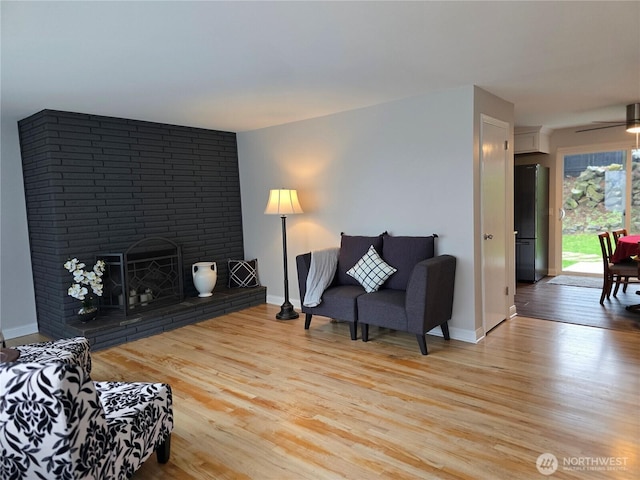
column 627, row 247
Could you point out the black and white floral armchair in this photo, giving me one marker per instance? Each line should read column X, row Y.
column 74, row 351
column 55, row 422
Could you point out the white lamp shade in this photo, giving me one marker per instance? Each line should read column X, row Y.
column 283, row 202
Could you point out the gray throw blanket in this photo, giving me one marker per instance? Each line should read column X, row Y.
column 321, row 272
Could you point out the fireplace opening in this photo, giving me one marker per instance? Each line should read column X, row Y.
column 148, row 275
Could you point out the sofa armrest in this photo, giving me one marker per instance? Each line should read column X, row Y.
column 74, row 351
column 429, row 298
column 303, row 263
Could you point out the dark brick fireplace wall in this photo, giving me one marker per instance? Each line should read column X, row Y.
column 97, row 184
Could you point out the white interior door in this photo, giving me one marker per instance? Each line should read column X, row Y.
column 493, row 168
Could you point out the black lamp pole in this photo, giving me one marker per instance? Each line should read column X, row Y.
column 282, row 202
column 286, row 310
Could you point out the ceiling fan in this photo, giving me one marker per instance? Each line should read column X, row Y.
column 632, row 122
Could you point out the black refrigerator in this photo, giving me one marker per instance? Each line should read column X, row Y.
column 531, row 221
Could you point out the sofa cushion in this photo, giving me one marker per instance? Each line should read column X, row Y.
column 352, row 248
column 339, row 303
column 403, row 253
column 371, row 271
column 384, row 308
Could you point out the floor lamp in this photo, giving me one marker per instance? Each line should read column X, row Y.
column 284, row 202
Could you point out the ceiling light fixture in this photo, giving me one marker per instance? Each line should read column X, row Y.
column 633, row 118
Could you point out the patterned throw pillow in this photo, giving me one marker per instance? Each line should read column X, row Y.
column 352, row 248
column 371, row 271
column 243, row 273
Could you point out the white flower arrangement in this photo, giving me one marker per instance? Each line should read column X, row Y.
column 82, row 279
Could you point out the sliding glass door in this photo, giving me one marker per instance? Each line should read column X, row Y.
column 634, row 218
column 599, row 188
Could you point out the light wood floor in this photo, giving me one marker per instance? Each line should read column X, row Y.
column 258, row 398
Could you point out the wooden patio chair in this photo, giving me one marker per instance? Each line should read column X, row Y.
column 613, row 272
column 618, row 233
column 622, row 232
column 636, row 260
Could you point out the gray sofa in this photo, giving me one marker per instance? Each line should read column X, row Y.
column 416, row 298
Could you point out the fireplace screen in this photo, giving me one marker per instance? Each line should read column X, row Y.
column 147, row 275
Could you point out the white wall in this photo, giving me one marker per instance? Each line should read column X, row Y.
column 407, row 167
column 17, row 301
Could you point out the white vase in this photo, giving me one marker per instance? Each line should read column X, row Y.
column 205, row 275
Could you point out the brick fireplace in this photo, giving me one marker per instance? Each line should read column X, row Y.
column 97, row 184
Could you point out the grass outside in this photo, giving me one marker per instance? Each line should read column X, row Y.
column 577, row 245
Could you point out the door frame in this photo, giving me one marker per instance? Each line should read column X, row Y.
column 507, row 232
column 555, row 264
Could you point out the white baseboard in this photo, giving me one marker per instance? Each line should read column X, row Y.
column 462, row 334
column 273, row 300
column 21, row 331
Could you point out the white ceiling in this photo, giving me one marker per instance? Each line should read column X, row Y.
column 245, row 65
